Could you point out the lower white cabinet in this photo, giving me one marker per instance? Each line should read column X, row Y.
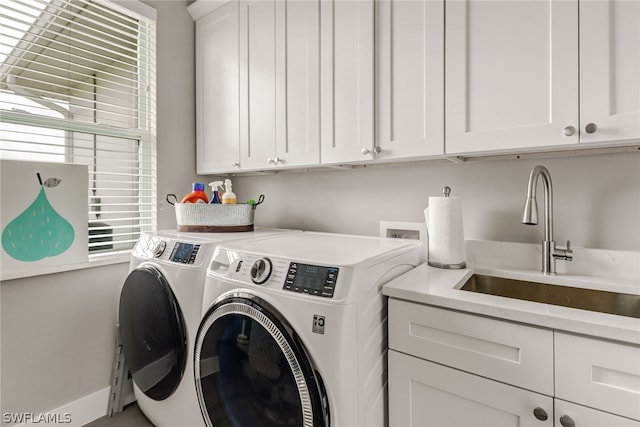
column 424, row 393
column 448, row 368
column 572, row 415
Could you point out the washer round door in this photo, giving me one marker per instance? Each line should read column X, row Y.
column 252, row 370
column 153, row 333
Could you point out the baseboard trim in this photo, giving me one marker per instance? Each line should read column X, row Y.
column 76, row 413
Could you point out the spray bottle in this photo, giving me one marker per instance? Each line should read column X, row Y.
column 229, row 197
column 215, row 188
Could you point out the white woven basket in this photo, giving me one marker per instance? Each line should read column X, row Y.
column 216, row 215
column 205, row 217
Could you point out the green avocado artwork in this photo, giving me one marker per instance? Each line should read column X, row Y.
column 39, row 231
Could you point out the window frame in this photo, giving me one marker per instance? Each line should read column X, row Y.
column 145, row 134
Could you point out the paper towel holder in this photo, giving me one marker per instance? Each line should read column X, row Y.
column 446, row 191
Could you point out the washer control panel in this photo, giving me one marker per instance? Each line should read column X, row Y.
column 311, row 279
column 184, row 253
column 277, row 273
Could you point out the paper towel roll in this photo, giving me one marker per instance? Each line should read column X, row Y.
column 445, row 232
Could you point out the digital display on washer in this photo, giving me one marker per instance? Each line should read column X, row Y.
column 311, row 279
column 184, row 253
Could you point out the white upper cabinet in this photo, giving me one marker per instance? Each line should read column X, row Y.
column 257, row 83
column 536, row 74
column 409, row 78
column 346, row 40
column 511, row 74
column 298, row 81
column 280, row 83
column 609, row 71
column 217, row 96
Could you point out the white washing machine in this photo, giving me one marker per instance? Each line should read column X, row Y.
column 294, row 330
column 160, row 309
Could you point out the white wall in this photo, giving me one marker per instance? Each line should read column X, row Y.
column 57, row 330
column 596, row 198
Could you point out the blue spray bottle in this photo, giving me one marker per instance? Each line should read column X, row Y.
column 215, row 186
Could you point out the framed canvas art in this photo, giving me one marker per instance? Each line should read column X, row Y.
column 43, row 215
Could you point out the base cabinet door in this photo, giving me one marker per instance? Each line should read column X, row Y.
column 423, row 393
column 571, row 415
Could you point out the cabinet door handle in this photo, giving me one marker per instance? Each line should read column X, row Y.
column 540, row 414
column 235, row 164
column 271, row 161
column 591, row 128
column 376, row 150
column 569, row 131
column 567, row 421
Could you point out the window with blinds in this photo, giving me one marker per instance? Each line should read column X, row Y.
column 77, row 85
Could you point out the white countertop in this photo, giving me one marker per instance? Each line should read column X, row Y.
column 440, row 287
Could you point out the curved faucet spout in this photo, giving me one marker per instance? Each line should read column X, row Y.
column 530, row 217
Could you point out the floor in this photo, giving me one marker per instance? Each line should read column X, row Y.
column 130, row 417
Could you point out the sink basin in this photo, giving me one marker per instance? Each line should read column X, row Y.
column 585, row 299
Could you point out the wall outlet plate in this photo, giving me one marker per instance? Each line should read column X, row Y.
column 405, row 230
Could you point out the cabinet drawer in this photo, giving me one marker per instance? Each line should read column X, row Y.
column 599, row 374
column 508, row 352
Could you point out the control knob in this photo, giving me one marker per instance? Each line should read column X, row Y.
column 261, row 270
column 157, row 247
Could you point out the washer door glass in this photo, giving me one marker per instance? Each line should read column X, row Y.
column 153, row 333
column 252, row 371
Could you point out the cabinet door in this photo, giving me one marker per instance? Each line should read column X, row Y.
column 217, row 97
column 422, row 393
column 581, row 416
column 410, row 78
column 257, row 83
column 609, row 70
column 511, row 70
column 347, row 80
column 297, row 83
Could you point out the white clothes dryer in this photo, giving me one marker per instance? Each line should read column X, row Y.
column 294, row 330
column 160, row 309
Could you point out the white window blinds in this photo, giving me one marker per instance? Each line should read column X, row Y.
column 77, row 85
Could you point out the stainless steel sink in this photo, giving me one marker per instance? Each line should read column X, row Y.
column 585, row 299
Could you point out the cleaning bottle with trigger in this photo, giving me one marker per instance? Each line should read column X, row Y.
column 215, row 188
column 229, row 197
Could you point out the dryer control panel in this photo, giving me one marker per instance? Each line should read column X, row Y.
column 311, row 279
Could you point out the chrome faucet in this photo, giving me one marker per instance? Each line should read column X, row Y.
column 530, row 217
